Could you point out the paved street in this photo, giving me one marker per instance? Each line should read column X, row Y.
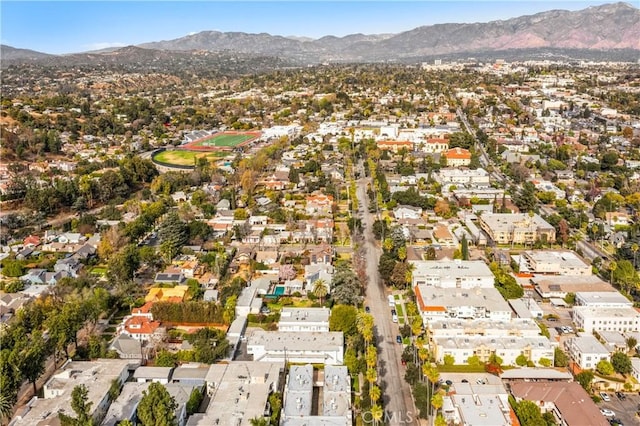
column 398, row 402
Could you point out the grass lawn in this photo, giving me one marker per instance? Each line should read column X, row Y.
column 401, row 320
column 399, row 310
column 185, row 158
column 396, row 296
column 226, row 139
column 99, row 270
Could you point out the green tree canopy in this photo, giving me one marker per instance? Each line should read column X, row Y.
column 343, row 318
column 157, row 407
column 621, row 363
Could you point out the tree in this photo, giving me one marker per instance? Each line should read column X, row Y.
column 560, row 358
column 376, row 414
column 123, row 265
column 157, row 407
column 621, row 363
column 604, row 367
column 81, row 405
column 195, row 399
column 165, row 358
column 343, row 318
column 449, row 359
column 32, row 358
column 12, row 268
column 260, row 421
column 585, row 378
column 436, row 401
column 374, row 393
column 6, row 407
column 529, row 413
column 173, row 234
column 464, row 247
column 521, row 360
column 320, row 289
column 632, row 343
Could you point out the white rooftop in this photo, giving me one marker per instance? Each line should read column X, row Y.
column 294, row 315
column 296, row 341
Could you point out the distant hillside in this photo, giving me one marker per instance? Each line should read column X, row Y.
column 607, row 32
column 8, row 53
column 607, row 27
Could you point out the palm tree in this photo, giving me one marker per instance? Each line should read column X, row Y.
column 632, row 342
column 371, row 357
column 371, row 375
column 436, row 402
column 634, row 249
column 376, row 414
column 374, row 393
column 433, row 375
column 612, row 268
column 320, row 289
column 364, row 325
column 6, row 408
column 259, row 421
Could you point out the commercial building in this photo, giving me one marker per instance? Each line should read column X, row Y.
column 602, row 299
column 557, row 286
column 477, row 178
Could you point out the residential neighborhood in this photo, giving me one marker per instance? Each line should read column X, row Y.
column 453, row 243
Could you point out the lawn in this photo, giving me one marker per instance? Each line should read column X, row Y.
column 399, row 310
column 224, row 140
column 99, row 270
column 185, row 158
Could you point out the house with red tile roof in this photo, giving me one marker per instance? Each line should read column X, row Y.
column 457, row 157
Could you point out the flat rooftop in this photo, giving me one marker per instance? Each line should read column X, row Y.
column 126, row 403
column 510, row 342
column 570, row 284
column 239, row 392
column 518, row 325
column 588, row 344
column 488, row 298
column 602, row 298
column 95, row 375
column 606, row 312
column 296, row 340
column 482, row 409
column 295, row 315
column 451, row 268
column 565, row 258
column 298, row 394
column 336, row 392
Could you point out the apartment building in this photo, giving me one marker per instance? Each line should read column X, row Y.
column 516, row 228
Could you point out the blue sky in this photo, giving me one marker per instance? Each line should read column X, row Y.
column 77, row 26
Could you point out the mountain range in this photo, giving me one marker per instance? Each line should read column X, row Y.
column 604, row 29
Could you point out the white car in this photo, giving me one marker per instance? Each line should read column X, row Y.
column 605, row 397
column 607, row 413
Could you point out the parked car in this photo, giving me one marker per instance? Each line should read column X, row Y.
column 394, row 318
column 616, row 422
column 607, row 413
column 399, row 339
column 621, row 396
column 605, row 397
column 367, row 309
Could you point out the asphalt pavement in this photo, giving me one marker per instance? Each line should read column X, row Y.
column 397, row 399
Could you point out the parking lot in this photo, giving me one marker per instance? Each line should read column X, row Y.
column 625, row 410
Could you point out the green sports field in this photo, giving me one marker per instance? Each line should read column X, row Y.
column 185, row 158
column 222, row 141
column 228, row 140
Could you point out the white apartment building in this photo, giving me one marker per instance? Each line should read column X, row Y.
column 304, row 319
column 592, row 319
column 516, row 228
column 297, row 347
column 436, row 303
column 586, row 351
column 452, row 274
column 554, row 262
column 602, row 299
column 478, row 178
column 454, row 327
column 96, row 375
column 507, row 348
